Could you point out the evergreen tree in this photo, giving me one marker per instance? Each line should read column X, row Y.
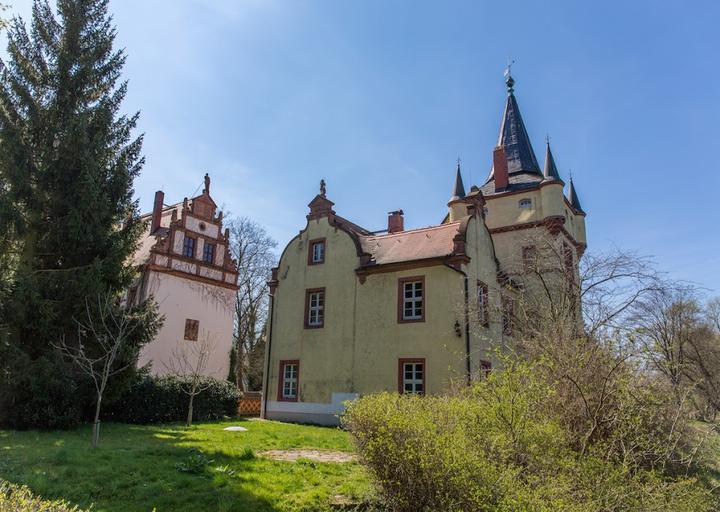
column 68, row 159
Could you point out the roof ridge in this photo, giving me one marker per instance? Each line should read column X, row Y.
column 416, row 230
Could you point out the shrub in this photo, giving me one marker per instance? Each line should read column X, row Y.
column 194, row 464
column 162, row 400
column 42, row 395
column 497, row 447
column 15, row 498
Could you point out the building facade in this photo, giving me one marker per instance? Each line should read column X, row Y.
column 355, row 311
column 185, row 265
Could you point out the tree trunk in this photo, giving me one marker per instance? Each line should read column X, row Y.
column 96, row 424
column 188, row 423
column 239, row 361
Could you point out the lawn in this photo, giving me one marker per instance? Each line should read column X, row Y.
column 173, row 468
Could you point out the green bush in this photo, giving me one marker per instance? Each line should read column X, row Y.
column 41, row 395
column 15, row 498
column 162, row 400
column 496, row 447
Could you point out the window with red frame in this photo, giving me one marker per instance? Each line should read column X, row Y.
column 315, row 308
column 508, row 311
column 529, row 258
column 485, row 367
column 483, row 305
column 316, row 252
column 412, row 376
column 289, row 380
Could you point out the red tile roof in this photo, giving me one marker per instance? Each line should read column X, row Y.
column 416, row 244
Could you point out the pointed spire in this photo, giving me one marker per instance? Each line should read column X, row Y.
column 573, row 198
column 459, row 188
column 551, row 173
column 514, row 137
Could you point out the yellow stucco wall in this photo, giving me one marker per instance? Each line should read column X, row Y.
column 358, row 348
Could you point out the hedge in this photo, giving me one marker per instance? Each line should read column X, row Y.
column 16, row 498
column 162, row 400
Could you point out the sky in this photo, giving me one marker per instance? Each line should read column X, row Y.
column 380, row 97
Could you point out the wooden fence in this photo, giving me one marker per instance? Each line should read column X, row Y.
column 249, row 404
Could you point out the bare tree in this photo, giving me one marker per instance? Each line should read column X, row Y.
column 681, row 340
column 665, row 323
column 188, row 361
column 109, row 328
column 573, row 320
column 594, row 295
column 253, row 249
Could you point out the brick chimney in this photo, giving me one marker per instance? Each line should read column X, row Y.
column 500, row 169
column 157, row 211
column 396, row 221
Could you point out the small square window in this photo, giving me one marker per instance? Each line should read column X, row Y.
column 189, row 247
column 316, row 251
column 525, row 203
column 208, row 252
column 191, row 329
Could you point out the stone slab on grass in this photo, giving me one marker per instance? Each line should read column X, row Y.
column 235, row 428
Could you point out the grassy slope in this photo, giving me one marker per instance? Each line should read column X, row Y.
column 134, row 468
column 711, row 462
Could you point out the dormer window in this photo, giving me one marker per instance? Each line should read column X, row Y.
column 316, row 251
column 525, row 204
column 189, row 247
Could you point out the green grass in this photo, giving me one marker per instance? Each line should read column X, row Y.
column 172, row 468
column 711, row 449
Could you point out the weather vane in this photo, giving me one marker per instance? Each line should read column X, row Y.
column 547, row 138
column 458, row 161
column 510, row 62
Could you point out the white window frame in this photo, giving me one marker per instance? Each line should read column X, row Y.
column 415, row 382
column 290, row 382
column 411, row 303
column 316, row 308
column 318, row 251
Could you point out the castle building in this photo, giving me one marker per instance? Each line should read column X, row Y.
column 185, row 265
column 355, row 311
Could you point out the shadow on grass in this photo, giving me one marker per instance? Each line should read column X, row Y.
column 135, row 468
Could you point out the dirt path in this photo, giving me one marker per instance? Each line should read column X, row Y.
column 314, row 455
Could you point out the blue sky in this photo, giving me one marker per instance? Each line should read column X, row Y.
column 380, row 98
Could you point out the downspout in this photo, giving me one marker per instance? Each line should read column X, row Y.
column 266, row 386
column 467, row 332
column 468, row 366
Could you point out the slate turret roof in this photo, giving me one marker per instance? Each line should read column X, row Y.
column 514, row 138
column 573, row 198
column 551, row 173
column 459, row 188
